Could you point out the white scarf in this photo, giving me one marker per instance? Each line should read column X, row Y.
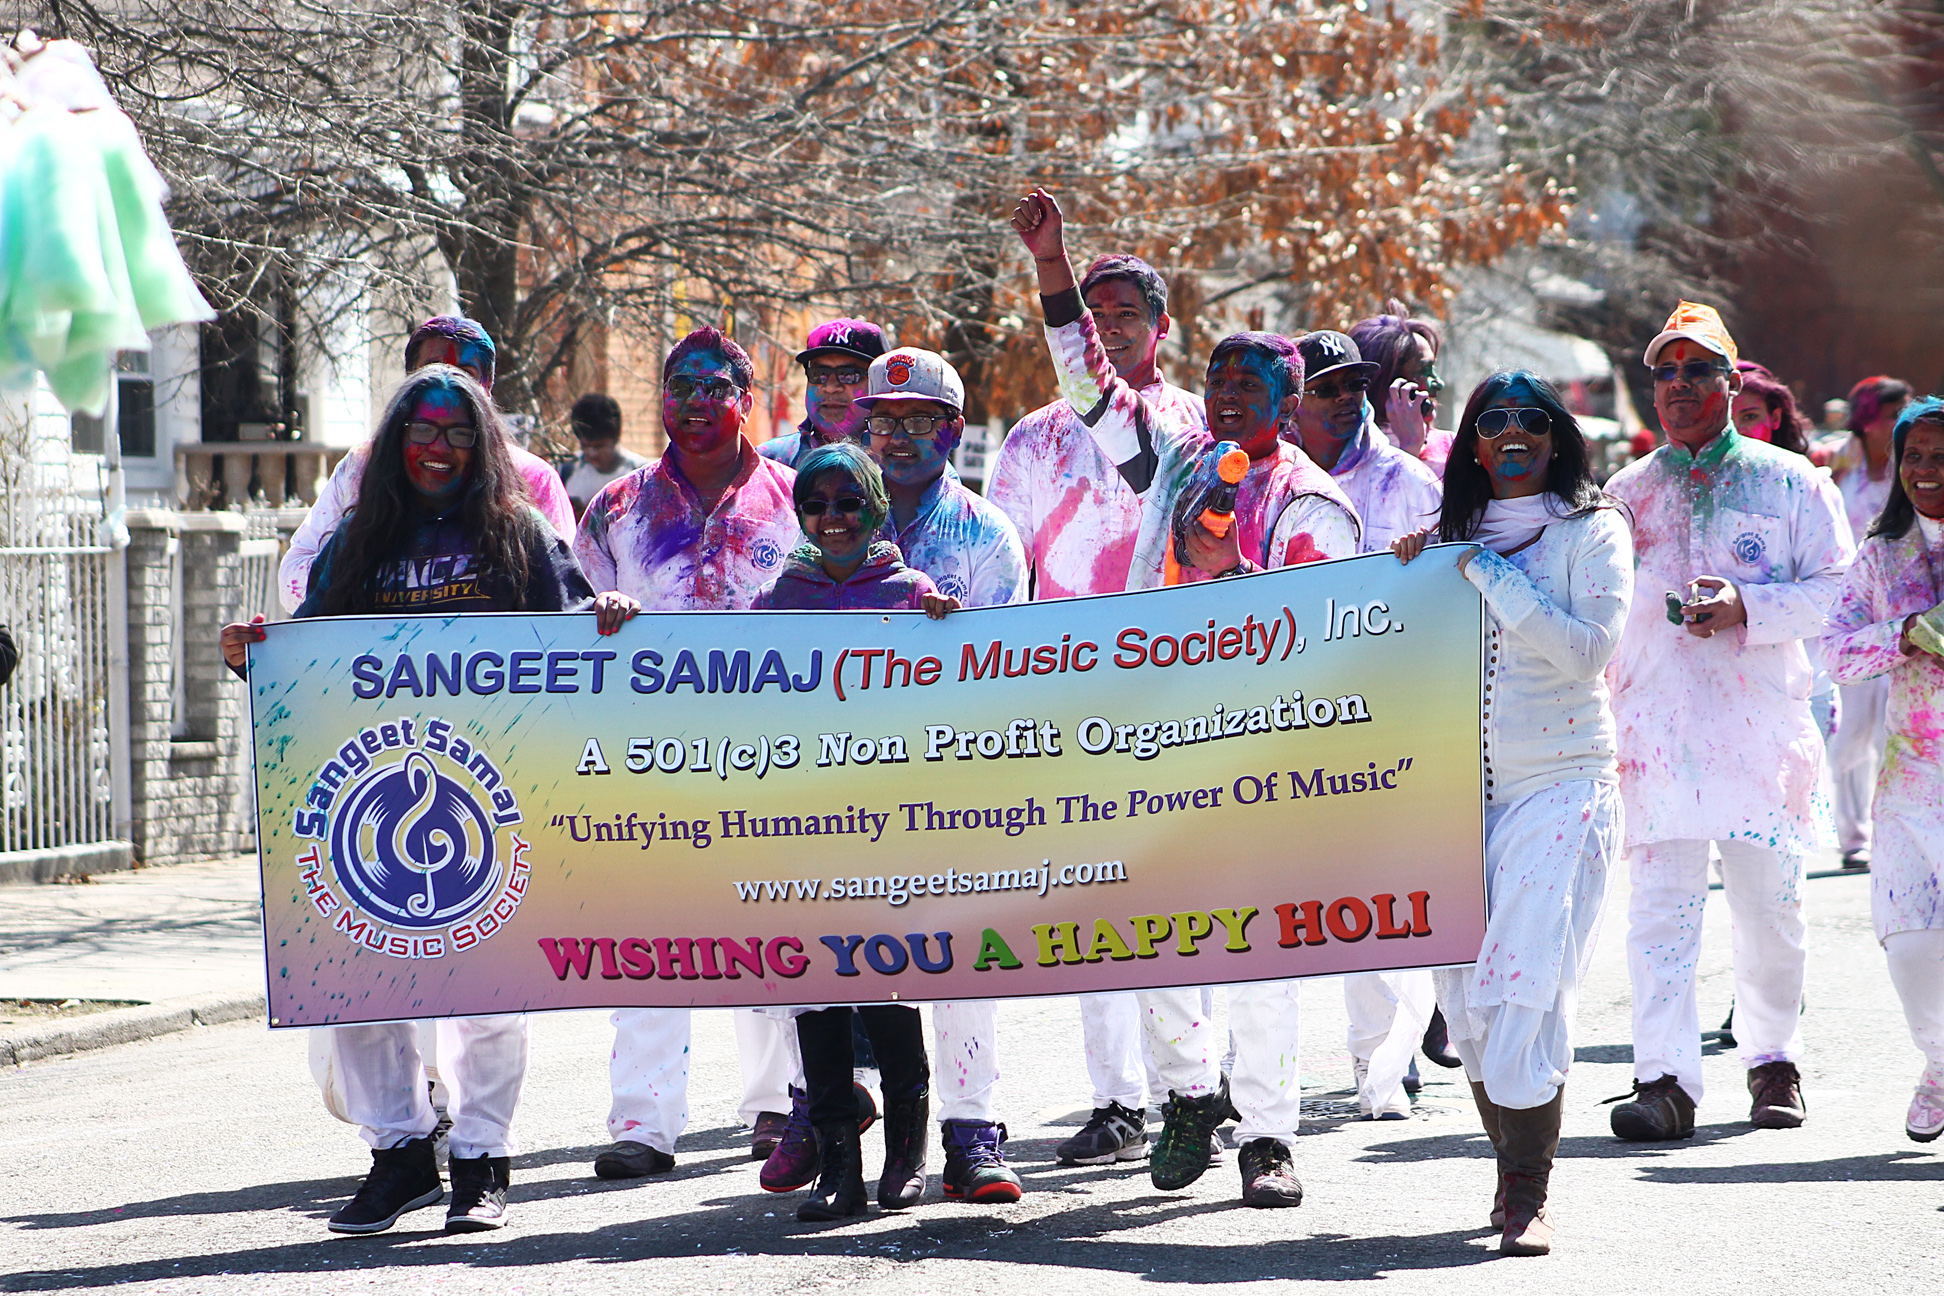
column 1511, row 523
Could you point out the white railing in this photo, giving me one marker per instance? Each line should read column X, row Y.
column 259, row 559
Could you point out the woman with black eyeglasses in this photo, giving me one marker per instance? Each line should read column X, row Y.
column 442, row 524
column 1553, row 558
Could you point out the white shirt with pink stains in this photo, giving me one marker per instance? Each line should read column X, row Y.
column 340, row 495
column 1393, row 492
column 1296, row 511
column 1863, row 495
column 1716, row 737
column 1076, row 516
column 1890, row 580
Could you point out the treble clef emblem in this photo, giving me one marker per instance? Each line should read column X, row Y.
column 423, row 781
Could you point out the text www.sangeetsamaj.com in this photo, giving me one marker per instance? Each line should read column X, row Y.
column 898, row 888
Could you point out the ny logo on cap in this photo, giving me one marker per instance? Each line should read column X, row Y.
column 1328, row 342
column 839, row 335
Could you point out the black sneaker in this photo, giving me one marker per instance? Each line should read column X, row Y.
column 1269, row 1174
column 402, row 1178
column 479, row 1187
column 1413, row 1083
column 1181, row 1154
column 1112, row 1133
column 1776, row 1088
column 1659, row 1111
column 975, row 1168
column 631, row 1160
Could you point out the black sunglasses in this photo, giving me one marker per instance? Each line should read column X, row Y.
column 849, row 506
column 711, row 388
column 1693, row 371
column 1330, row 391
column 461, row 437
column 1495, row 423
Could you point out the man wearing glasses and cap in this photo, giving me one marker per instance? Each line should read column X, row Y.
column 1716, row 740
column 1392, row 491
column 834, row 359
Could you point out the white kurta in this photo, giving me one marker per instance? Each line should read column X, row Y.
column 1553, row 816
column 1717, row 740
column 1890, row 580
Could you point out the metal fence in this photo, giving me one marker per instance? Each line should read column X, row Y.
column 260, row 556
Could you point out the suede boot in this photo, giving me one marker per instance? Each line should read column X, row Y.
column 907, row 1134
column 840, row 1183
column 1488, row 1112
column 1531, row 1137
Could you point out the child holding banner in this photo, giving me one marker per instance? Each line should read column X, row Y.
column 1553, row 558
column 441, row 524
column 1284, row 510
column 841, row 500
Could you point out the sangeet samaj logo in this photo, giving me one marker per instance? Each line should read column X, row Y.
column 414, row 852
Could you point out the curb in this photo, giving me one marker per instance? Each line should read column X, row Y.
column 126, row 1025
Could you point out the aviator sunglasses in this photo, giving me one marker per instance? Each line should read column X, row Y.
column 714, row 389
column 1693, row 371
column 1330, row 391
column 848, row 505
column 1494, row 423
column 459, row 438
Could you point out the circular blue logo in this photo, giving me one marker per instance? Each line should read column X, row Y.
column 1749, row 548
column 413, row 847
column 766, row 553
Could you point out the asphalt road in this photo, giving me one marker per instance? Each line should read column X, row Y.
column 204, row 1162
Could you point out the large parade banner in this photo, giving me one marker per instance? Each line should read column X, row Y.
column 1268, row 776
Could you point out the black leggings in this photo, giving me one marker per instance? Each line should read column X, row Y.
column 897, row 1035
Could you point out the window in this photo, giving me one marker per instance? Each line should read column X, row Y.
column 134, row 409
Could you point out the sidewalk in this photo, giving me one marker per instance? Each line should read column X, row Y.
column 183, row 944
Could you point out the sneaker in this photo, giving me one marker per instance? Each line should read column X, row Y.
column 1857, row 858
column 631, row 1160
column 795, row 1161
column 1399, row 1108
column 1269, row 1174
column 1659, row 1111
column 766, row 1133
column 402, row 1178
column 1182, row 1154
column 479, row 1187
column 1112, row 1133
column 1776, row 1088
column 975, row 1168
column 1925, row 1119
column 1413, row 1083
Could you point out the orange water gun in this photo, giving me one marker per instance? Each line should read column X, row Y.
column 1218, row 505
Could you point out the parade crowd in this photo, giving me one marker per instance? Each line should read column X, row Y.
column 1683, row 664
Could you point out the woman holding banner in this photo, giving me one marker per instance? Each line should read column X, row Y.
column 1553, row 558
column 442, row 524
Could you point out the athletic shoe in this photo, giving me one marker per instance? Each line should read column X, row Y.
column 1925, row 1119
column 1228, row 1109
column 402, row 1178
column 1858, row 859
column 794, row 1163
column 766, row 1133
column 1182, row 1153
column 1397, row 1109
column 1659, row 1111
column 1413, row 1083
column 631, row 1160
column 1112, row 1133
column 479, row 1187
column 1437, row 1042
column 1776, row 1088
column 975, row 1168
column 1269, row 1174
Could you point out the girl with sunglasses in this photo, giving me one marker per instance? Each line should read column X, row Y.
column 1553, row 558
column 442, row 524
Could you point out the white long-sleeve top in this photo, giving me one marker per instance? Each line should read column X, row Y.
column 340, row 495
column 1717, row 741
column 1890, row 580
column 1555, row 611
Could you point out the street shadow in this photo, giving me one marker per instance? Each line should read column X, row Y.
column 1440, row 1147
column 1087, row 1237
column 1885, row 1167
column 1604, row 1053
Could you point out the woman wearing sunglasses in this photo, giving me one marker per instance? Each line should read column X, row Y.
column 1553, row 558
column 442, row 524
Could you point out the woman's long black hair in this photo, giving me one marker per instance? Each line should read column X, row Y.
column 494, row 510
column 1899, row 514
column 1468, row 487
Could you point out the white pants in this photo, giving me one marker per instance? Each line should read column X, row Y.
column 1670, row 888
column 428, row 1042
column 766, row 1046
column 1263, row 1023
column 374, row 1078
column 1854, row 754
column 1917, row 970
column 648, row 1073
column 1110, row 1031
column 1388, row 1013
column 965, row 1060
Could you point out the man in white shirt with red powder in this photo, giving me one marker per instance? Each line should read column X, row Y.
column 1078, row 521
